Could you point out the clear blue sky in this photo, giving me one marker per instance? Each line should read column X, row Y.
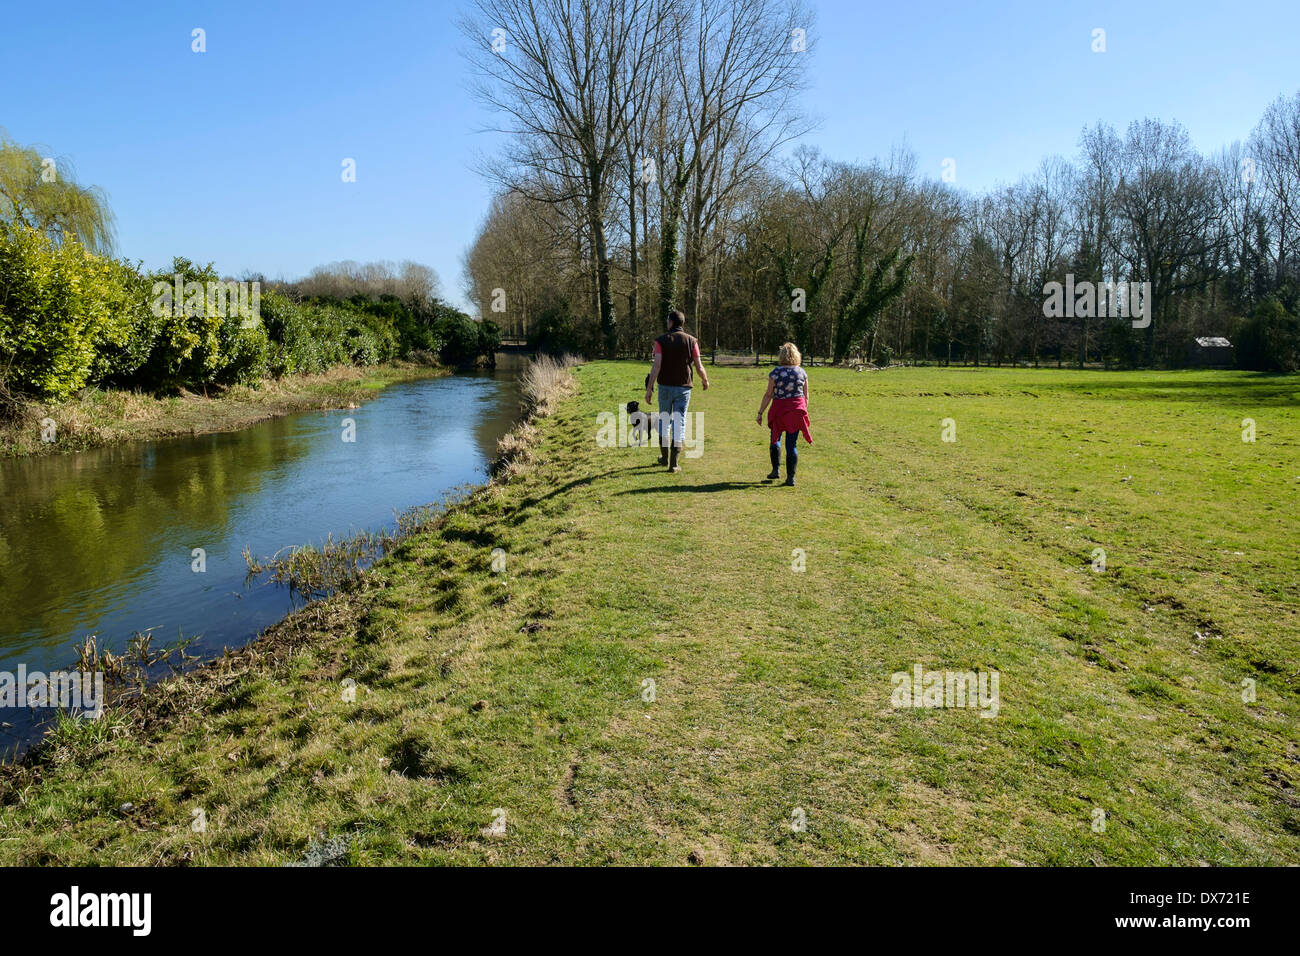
column 233, row 156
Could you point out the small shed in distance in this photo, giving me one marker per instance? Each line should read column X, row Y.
column 1209, row 351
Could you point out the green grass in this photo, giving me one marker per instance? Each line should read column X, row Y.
column 523, row 690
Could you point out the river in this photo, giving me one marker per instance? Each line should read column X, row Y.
column 103, row 542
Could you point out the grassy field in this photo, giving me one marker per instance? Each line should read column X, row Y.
column 522, row 695
column 106, row 416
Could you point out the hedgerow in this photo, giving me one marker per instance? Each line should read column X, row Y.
column 70, row 319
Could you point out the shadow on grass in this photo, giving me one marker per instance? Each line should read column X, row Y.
column 715, row 486
column 560, row 489
column 1256, row 388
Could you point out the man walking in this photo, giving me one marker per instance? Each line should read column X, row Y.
column 677, row 355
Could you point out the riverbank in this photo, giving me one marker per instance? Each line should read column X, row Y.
column 98, row 417
column 520, row 682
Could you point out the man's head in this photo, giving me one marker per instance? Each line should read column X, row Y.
column 676, row 321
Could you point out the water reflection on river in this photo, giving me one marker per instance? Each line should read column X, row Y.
column 101, row 542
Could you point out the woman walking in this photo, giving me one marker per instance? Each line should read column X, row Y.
column 787, row 390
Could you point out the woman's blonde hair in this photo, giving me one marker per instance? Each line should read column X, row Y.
column 789, row 354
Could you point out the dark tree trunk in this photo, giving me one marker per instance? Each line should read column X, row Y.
column 633, row 265
column 600, row 254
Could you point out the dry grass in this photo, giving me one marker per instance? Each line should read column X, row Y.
column 98, row 417
column 514, row 451
column 546, row 381
column 314, row 571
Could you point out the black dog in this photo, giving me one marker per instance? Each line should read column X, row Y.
column 640, row 422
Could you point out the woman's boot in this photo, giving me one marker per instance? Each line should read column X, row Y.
column 776, row 461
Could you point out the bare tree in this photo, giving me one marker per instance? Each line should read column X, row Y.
column 1276, row 143
column 415, row 284
column 520, row 256
column 739, row 66
column 557, row 70
column 1167, row 214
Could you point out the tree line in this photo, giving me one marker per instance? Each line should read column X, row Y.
column 652, row 162
column 72, row 315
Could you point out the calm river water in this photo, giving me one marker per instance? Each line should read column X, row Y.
column 101, row 542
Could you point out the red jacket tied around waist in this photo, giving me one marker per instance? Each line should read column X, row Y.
column 789, row 415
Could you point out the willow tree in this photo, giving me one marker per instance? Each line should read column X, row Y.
column 40, row 191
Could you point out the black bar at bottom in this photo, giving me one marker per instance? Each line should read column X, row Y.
column 341, row 906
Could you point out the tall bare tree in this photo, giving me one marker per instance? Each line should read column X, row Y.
column 739, row 67
column 557, row 70
column 1167, row 213
column 1276, row 143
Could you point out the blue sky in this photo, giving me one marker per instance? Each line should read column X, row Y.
column 234, row 155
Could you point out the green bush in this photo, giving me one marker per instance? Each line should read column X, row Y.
column 489, row 337
column 292, row 347
column 318, row 334
column 362, row 338
column 245, row 349
column 69, row 318
column 59, row 305
column 124, row 348
column 461, row 340
column 414, row 326
column 196, row 345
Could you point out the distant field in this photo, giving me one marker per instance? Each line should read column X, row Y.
column 1121, row 734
